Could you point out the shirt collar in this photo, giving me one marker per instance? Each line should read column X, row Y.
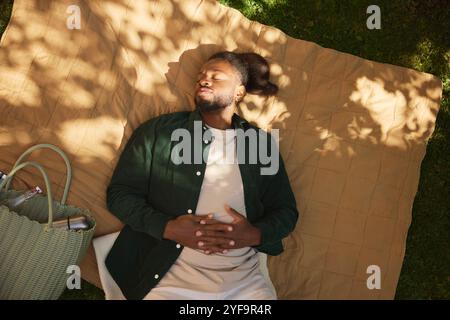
column 236, row 120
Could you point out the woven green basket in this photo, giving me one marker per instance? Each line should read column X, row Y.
column 34, row 256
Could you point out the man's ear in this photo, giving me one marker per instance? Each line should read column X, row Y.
column 240, row 93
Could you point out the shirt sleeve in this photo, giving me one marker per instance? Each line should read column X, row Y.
column 127, row 193
column 280, row 209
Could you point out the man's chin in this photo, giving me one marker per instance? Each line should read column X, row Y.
column 205, row 105
column 208, row 107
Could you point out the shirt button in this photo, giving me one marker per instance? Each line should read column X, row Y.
column 178, row 246
column 156, row 276
column 189, row 210
column 198, row 173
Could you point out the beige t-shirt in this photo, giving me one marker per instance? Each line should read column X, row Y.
column 222, row 184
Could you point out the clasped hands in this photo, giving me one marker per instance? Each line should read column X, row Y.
column 210, row 235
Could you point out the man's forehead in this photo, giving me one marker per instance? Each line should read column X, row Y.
column 216, row 65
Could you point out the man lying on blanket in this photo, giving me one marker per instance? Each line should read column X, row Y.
column 201, row 193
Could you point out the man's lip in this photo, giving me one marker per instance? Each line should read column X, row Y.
column 204, row 90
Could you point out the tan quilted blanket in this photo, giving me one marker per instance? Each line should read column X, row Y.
column 353, row 131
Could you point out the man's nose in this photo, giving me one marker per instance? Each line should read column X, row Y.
column 204, row 82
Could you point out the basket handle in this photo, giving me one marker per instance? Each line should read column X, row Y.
column 47, row 185
column 57, row 150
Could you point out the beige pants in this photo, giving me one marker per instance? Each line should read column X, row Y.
column 256, row 289
column 259, row 287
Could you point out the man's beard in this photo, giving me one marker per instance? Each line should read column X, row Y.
column 212, row 105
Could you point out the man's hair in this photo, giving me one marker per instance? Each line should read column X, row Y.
column 253, row 69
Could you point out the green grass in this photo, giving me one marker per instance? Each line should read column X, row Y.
column 5, row 13
column 414, row 34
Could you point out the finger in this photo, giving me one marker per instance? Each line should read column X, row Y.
column 208, row 246
column 199, row 217
column 205, row 242
column 209, row 252
column 233, row 213
column 213, row 222
column 212, row 233
column 231, row 210
column 220, row 227
column 212, row 250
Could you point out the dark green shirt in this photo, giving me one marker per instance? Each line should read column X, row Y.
column 147, row 189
